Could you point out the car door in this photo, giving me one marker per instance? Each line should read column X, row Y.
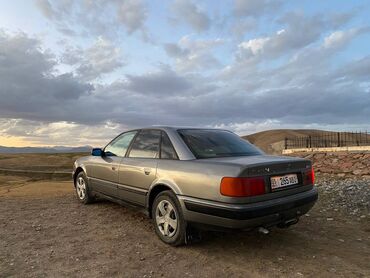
column 138, row 169
column 105, row 169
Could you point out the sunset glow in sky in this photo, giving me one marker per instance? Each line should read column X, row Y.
column 80, row 72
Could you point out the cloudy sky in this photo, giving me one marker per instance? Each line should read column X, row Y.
column 79, row 72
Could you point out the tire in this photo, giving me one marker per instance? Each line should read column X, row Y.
column 166, row 211
column 82, row 189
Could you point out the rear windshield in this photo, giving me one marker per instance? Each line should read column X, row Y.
column 208, row 143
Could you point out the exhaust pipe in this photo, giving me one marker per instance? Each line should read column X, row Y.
column 288, row 223
column 263, row 230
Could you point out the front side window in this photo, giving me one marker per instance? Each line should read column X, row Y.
column 167, row 150
column 119, row 145
column 208, row 143
column 146, row 144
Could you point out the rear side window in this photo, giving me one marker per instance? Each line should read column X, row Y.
column 146, row 144
column 119, row 145
column 167, row 150
column 216, row 143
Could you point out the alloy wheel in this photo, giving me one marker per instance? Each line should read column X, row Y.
column 166, row 218
column 81, row 188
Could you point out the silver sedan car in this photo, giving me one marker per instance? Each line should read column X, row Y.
column 188, row 179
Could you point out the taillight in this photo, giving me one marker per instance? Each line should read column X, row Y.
column 309, row 177
column 242, row 187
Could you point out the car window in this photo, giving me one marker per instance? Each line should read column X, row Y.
column 146, row 144
column 120, row 145
column 205, row 143
column 167, row 150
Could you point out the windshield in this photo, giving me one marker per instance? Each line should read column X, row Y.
column 208, row 143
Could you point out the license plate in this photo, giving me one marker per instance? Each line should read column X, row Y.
column 282, row 181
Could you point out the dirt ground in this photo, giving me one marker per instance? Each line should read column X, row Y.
column 46, row 232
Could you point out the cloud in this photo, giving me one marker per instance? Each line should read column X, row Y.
column 33, row 91
column 60, row 133
column 45, row 8
column 95, row 18
column 286, row 74
column 255, row 8
column 340, row 19
column 338, row 39
column 242, row 26
column 161, row 83
column 298, row 32
column 186, row 11
column 193, row 55
column 356, row 71
column 255, row 46
column 132, row 13
column 30, row 86
column 94, row 61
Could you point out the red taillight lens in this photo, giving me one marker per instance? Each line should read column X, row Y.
column 309, row 177
column 242, row 187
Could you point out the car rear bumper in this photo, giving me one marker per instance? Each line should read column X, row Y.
column 242, row 216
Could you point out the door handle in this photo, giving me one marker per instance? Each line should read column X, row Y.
column 114, row 168
column 147, row 171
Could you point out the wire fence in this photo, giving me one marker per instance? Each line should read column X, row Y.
column 330, row 139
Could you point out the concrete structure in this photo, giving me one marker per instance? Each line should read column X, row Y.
column 331, row 149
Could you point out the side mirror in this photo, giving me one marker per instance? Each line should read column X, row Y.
column 97, row 152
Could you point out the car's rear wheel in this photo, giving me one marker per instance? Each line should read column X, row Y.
column 82, row 189
column 168, row 219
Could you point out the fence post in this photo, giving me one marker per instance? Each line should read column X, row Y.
column 357, row 142
column 286, row 143
column 338, row 139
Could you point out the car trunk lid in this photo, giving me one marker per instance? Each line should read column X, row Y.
column 258, row 165
column 268, row 167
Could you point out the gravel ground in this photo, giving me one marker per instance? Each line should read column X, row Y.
column 350, row 195
column 45, row 232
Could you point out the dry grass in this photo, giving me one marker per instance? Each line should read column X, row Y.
column 46, row 162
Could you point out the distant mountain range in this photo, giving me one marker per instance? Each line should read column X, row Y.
column 55, row 149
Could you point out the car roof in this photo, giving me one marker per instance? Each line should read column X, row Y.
column 166, row 127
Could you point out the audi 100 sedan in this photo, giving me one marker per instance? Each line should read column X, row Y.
column 188, row 179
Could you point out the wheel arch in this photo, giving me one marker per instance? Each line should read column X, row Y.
column 78, row 170
column 157, row 188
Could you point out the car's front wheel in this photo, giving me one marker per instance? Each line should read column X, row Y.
column 169, row 222
column 82, row 189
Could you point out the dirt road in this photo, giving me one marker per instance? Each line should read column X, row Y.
column 45, row 232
